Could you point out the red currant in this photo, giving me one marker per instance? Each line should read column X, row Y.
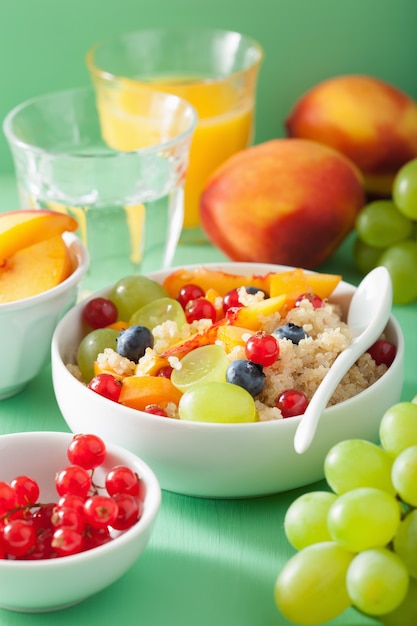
column 7, row 497
column 129, row 511
column 106, row 385
column 100, row 312
column 73, row 479
column 291, row 402
column 26, row 490
column 88, row 451
column 315, row 300
column 19, row 536
column 67, row 541
column 122, row 479
column 383, row 352
column 189, row 292
column 100, row 511
column 70, row 501
column 67, row 517
column 95, row 537
column 262, row 349
column 200, row 309
column 231, row 300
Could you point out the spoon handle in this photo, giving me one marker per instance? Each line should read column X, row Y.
column 309, row 420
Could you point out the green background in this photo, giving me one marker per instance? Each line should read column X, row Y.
column 43, row 44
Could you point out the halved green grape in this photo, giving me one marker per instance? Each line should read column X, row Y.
column 92, row 344
column 219, row 402
column 305, row 521
column 311, row 587
column 132, row 292
column 404, row 189
column 404, row 475
column 405, row 543
column 354, row 463
column 366, row 257
column 364, row 518
column 377, row 581
column 406, row 613
column 157, row 312
column 203, row 364
column 398, row 427
column 401, row 262
column 380, row 224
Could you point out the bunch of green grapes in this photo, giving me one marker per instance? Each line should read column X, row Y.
column 357, row 542
column 387, row 235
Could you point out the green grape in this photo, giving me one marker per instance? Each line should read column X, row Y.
column 404, row 475
column 219, row 402
column 92, row 344
column 157, row 312
column 401, row 262
column 366, row 257
column 357, row 463
column 132, row 292
column 404, row 189
column 311, row 588
column 406, row 613
column 364, row 518
column 405, row 543
column 380, row 224
column 377, row 581
column 206, row 363
column 398, row 427
column 305, row 521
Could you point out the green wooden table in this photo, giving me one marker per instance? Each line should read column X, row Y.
column 209, row 562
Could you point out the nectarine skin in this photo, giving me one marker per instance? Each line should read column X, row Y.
column 285, row 201
column 370, row 121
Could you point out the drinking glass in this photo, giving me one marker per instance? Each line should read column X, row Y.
column 215, row 70
column 128, row 203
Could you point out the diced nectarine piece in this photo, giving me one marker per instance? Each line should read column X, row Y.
column 151, row 366
column 207, row 278
column 138, row 392
column 20, row 229
column 232, row 336
column 98, row 369
column 213, row 296
column 253, row 315
column 322, row 285
column 34, row 269
column 119, row 325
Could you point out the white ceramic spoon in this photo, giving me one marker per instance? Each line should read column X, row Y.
column 368, row 315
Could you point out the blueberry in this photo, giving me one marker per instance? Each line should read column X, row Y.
column 246, row 374
column 254, row 290
column 292, row 332
column 132, row 342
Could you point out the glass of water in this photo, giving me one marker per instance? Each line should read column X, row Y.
column 72, row 154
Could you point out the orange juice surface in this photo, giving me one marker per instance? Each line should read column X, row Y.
column 225, row 121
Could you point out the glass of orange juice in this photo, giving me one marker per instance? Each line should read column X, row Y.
column 214, row 70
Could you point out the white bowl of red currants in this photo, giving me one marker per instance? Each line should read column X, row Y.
column 75, row 514
column 205, row 371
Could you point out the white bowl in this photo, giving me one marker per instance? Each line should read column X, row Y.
column 50, row 584
column 222, row 460
column 26, row 326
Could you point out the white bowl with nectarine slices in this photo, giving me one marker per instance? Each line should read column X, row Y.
column 42, row 264
column 203, row 372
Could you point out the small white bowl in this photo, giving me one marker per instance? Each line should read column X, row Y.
column 222, row 460
column 51, row 584
column 26, row 326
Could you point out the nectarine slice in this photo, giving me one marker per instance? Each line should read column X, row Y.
column 253, row 315
column 140, row 391
column 207, row 278
column 34, row 269
column 185, row 346
column 295, row 282
column 20, row 229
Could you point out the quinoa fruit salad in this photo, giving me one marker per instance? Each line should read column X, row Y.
column 217, row 347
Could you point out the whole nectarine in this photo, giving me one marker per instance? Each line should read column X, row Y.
column 285, row 201
column 369, row 120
